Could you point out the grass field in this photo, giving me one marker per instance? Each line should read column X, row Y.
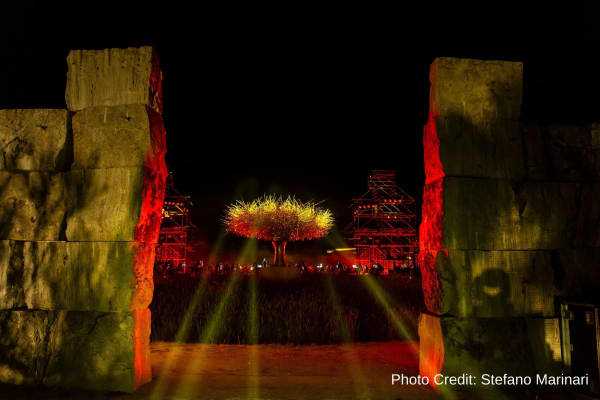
column 309, row 309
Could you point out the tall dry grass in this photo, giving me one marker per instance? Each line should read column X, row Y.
column 298, row 311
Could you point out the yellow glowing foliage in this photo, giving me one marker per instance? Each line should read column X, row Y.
column 273, row 218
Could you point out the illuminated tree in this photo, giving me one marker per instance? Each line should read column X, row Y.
column 279, row 221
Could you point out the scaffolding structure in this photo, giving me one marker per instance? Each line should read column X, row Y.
column 383, row 229
column 174, row 227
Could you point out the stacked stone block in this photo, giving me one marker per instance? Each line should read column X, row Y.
column 81, row 196
column 509, row 224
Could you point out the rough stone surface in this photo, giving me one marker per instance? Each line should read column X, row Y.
column 32, row 205
column 115, row 204
column 96, row 276
column 111, row 137
column 141, row 335
column 502, row 215
column 455, row 146
column 12, row 269
column 453, row 346
column 430, row 243
column 24, row 341
column 106, row 204
column 478, row 283
column 475, row 283
column 71, row 349
column 77, row 276
column 113, row 77
column 35, row 140
column 484, row 214
column 562, row 153
column 476, row 90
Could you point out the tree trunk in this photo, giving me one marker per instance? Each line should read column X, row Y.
column 279, row 258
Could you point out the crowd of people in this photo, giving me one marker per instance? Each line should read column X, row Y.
column 199, row 268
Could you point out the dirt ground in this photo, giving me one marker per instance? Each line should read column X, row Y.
column 198, row 371
column 286, row 372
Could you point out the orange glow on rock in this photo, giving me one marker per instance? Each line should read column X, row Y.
column 434, row 169
column 147, row 229
column 431, row 344
column 148, row 226
column 155, row 175
column 430, row 242
column 146, row 236
column 142, row 275
column 431, row 355
column 141, row 341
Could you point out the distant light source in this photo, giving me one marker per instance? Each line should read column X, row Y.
column 341, row 249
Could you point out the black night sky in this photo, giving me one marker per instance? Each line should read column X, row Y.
column 309, row 111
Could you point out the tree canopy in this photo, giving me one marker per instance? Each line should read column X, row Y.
column 275, row 219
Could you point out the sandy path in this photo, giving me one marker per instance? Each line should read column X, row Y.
column 282, row 372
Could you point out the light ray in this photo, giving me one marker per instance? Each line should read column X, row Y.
column 216, row 250
column 359, row 384
column 213, row 327
column 382, row 298
column 184, row 330
column 253, row 382
column 181, row 337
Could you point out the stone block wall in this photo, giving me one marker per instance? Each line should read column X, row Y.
column 81, row 194
column 509, row 224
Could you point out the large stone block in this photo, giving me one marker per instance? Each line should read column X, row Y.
column 32, row 205
column 113, row 77
column 109, row 205
column 455, row 346
column 84, row 276
column 117, row 203
column 482, row 214
column 118, row 136
column 89, row 350
column 562, row 153
column 79, row 276
column 471, row 283
column 455, row 146
column 476, row 90
column 503, row 215
column 499, row 283
column 35, row 140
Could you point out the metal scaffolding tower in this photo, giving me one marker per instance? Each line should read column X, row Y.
column 172, row 239
column 384, row 224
